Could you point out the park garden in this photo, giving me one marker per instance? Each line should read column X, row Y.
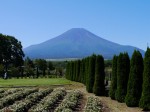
column 38, row 85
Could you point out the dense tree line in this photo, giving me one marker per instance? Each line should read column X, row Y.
column 89, row 71
column 32, row 69
column 38, row 67
column 12, row 63
column 131, row 79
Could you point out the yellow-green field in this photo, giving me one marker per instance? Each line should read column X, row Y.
column 34, row 82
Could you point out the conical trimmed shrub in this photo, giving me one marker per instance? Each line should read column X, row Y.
column 145, row 98
column 123, row 69
column 91, row 74
column 99, row 87
column 113, row 87
column 134, row 89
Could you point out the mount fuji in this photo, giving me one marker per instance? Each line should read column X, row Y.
column 77, row 43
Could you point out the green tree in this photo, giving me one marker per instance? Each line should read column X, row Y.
column 82, row 70
column 135, row 80
column 145, row 98
column 1, row 70
column 91, row 74
column 123, row 69
column 78, row 70
column 67, row 74
column 72, row 70
column 10, row 51
column 50, row 67
column 14, row 72
column 42, row 65
column 29, row 67
column 113, row 87
column 86, row 72
column 99, row 87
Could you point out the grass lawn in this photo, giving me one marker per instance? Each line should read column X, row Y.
column 34, row 82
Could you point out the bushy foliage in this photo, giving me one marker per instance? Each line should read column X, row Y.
column 70, row 101
column 10, row 51
column 1, row 70
column 49, row 101
column 93, row 105
column 14, row 72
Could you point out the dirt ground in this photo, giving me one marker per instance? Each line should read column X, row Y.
column 108, row 104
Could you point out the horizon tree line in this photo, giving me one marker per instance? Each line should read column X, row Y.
column 13, row 64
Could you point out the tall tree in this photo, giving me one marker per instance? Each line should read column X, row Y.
column 99, row 86
column 78, row 62
column 91, row 74
column 29, row 67
column 82, row 70
column 145, row 98
column 50, row 67
column 86, row 72
column 67, row 74
column 135, row 80
column 113, row 87
column 123, row 69
column 72, row 70
column 42, row 65
column 11, row 51
column 1, row 70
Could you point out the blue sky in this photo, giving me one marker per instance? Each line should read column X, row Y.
column 125, row 22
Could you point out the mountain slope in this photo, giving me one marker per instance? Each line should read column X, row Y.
column 76, row 43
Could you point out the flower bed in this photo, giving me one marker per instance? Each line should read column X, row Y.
column 10, row 99
column 29, row 101
column 70, row 102
column 93, row 105
column 49, row 101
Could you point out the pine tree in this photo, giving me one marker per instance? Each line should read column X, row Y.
column 134, row 89
column 99, row 87
column 145, row 98
column 91, row 74
column 123, row 69
column 113, row 87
